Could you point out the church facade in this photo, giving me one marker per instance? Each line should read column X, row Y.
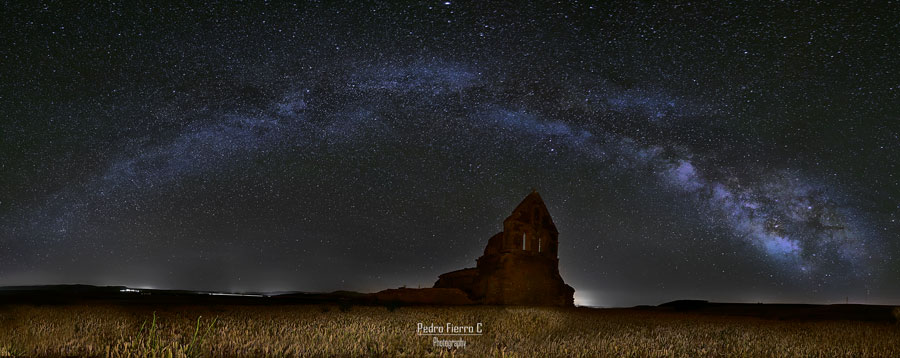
column 519, row 265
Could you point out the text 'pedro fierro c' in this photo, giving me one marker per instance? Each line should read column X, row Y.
column 448, row 329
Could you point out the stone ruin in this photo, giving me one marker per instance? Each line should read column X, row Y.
column 519, row 265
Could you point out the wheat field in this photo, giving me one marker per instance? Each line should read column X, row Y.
column 373, row 331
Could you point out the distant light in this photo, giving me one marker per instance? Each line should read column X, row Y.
column 129, row 290
column 447, row 3
column 585, row 299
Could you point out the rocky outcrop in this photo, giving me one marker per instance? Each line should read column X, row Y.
column 519, row 265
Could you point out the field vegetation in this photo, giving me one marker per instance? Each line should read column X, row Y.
column 362, row 331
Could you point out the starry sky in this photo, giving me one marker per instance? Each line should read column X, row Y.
column 737, row 152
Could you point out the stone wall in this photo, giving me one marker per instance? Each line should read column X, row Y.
column 519, row 265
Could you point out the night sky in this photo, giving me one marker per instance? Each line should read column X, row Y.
column 744, row 152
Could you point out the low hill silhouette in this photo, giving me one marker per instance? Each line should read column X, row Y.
column 125, row 296
column 784, row 311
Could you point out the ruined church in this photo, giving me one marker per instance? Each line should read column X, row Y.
column 519, row 265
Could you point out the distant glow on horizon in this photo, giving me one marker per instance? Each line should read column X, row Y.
column 585, row 299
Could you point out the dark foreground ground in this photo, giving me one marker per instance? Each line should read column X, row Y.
column 91, row 321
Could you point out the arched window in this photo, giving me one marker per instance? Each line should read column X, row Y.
column 539, row 244
column 523, row 241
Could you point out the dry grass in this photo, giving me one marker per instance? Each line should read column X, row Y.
column 320, row 331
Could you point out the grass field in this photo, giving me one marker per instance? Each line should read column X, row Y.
column 326, row 331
